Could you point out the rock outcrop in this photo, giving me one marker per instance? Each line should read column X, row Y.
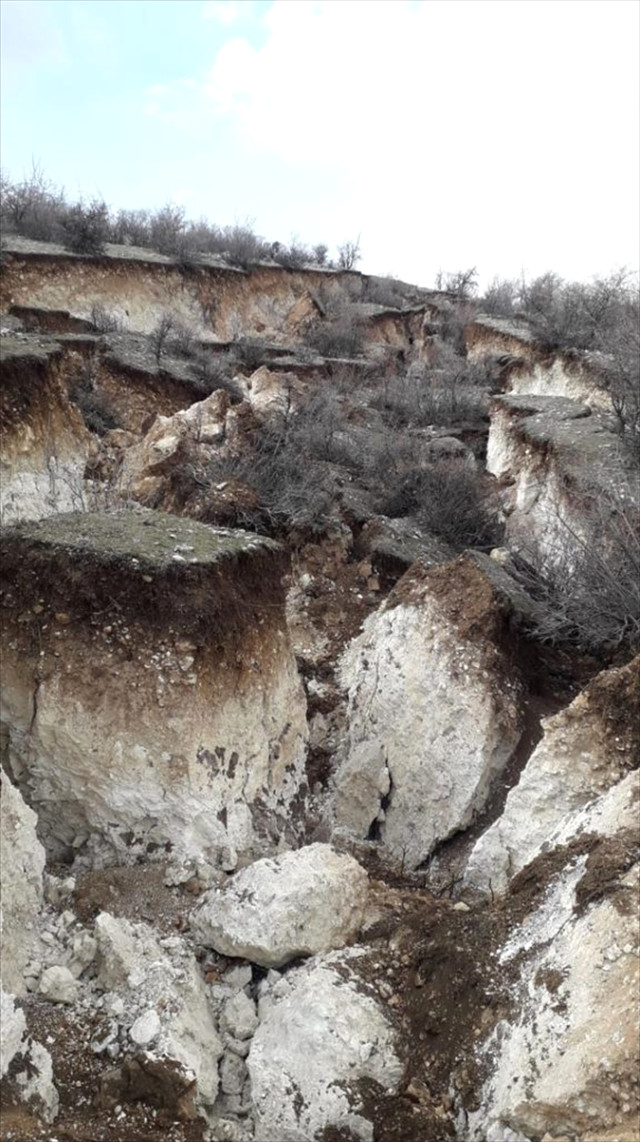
column 433, row 711
column 531, row 367
column 22, row 859
column 25, row 1065
column 319, row 1036
column 162, row 999
column 150, row 692
column 44, row 443
column 586, row 749
column 555, row 459
column 564, row 1063
column 298, row 904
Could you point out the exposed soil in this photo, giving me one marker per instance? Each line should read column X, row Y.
column 137, row 893
column 77, row 1073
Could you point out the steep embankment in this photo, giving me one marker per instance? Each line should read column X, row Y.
column 44, row 443
column 150, row 694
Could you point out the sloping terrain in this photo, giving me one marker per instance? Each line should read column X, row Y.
column 319, row 744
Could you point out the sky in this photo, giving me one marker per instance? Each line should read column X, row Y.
column 501, row 134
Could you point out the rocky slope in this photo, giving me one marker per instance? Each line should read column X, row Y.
column 305, row 834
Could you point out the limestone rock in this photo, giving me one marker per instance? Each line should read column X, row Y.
column 311, row 1049
column 22, row 859
column 193, row 739
column 297, row 904
column 433, row 712
column 239, row 1017
column 585, row 749
column 58, row 985
column 566, row 1061
column 13, row 1026
column 32, row 1074
column 166, row 1005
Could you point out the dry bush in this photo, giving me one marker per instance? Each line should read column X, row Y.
column 589, row 593
column 103, row 320
column 451, row 393
column 337, row 337
column 159, row 337
column 349, row 254
column 449, row 500
column 250, row 352
column 86, row 227
column 214, row 371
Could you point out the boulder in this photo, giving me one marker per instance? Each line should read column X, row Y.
column 433, row 707
column 22, row 859
column 31, row 1077
column 585, row 749
column 312, row 1048
column 166, row 1007
column 297, row 904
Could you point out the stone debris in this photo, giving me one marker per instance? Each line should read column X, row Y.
column 297, row 904
column 583, row 751
column 22, row 859
column 314, row 1043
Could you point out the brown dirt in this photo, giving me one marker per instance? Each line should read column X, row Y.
column 136, row 893
column 77, row 1074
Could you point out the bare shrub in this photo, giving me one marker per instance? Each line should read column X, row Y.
column 32, row 207
column 167, row 228
column 451, row 501
column 159, row 337
column 214, row 371
column 183, row 339
column 131, row 228
column 452, row 392
column 103, row 320
column 462, row 283
column 591, row 595
column 501, row 297
column 339, row 337
column 250, row 352
column 349, row 254
column 86, row 227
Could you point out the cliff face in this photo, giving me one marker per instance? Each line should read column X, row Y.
column 150, row 693
column 44, row 443
column 214, row 300
column 530, row 367
column 554, row 458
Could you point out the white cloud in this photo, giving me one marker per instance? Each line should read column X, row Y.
column 479, row 131
column 226, row 12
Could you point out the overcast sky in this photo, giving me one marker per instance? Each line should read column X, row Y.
column 447, row 133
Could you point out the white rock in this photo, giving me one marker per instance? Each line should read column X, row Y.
column 58, row 985
column 312, row 1047
column 577, row 759
column 146, row 1029
column 83, row 952
column 239, row 1016
column 33, row 1077
column 573, row 1031
column 433, row 712
column 154, row 983
column 13, row 1026
column 239, row 976
column 233, row 1073
column 296, row 904
column 22, row 860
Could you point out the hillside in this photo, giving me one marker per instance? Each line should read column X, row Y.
column 321, row 668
